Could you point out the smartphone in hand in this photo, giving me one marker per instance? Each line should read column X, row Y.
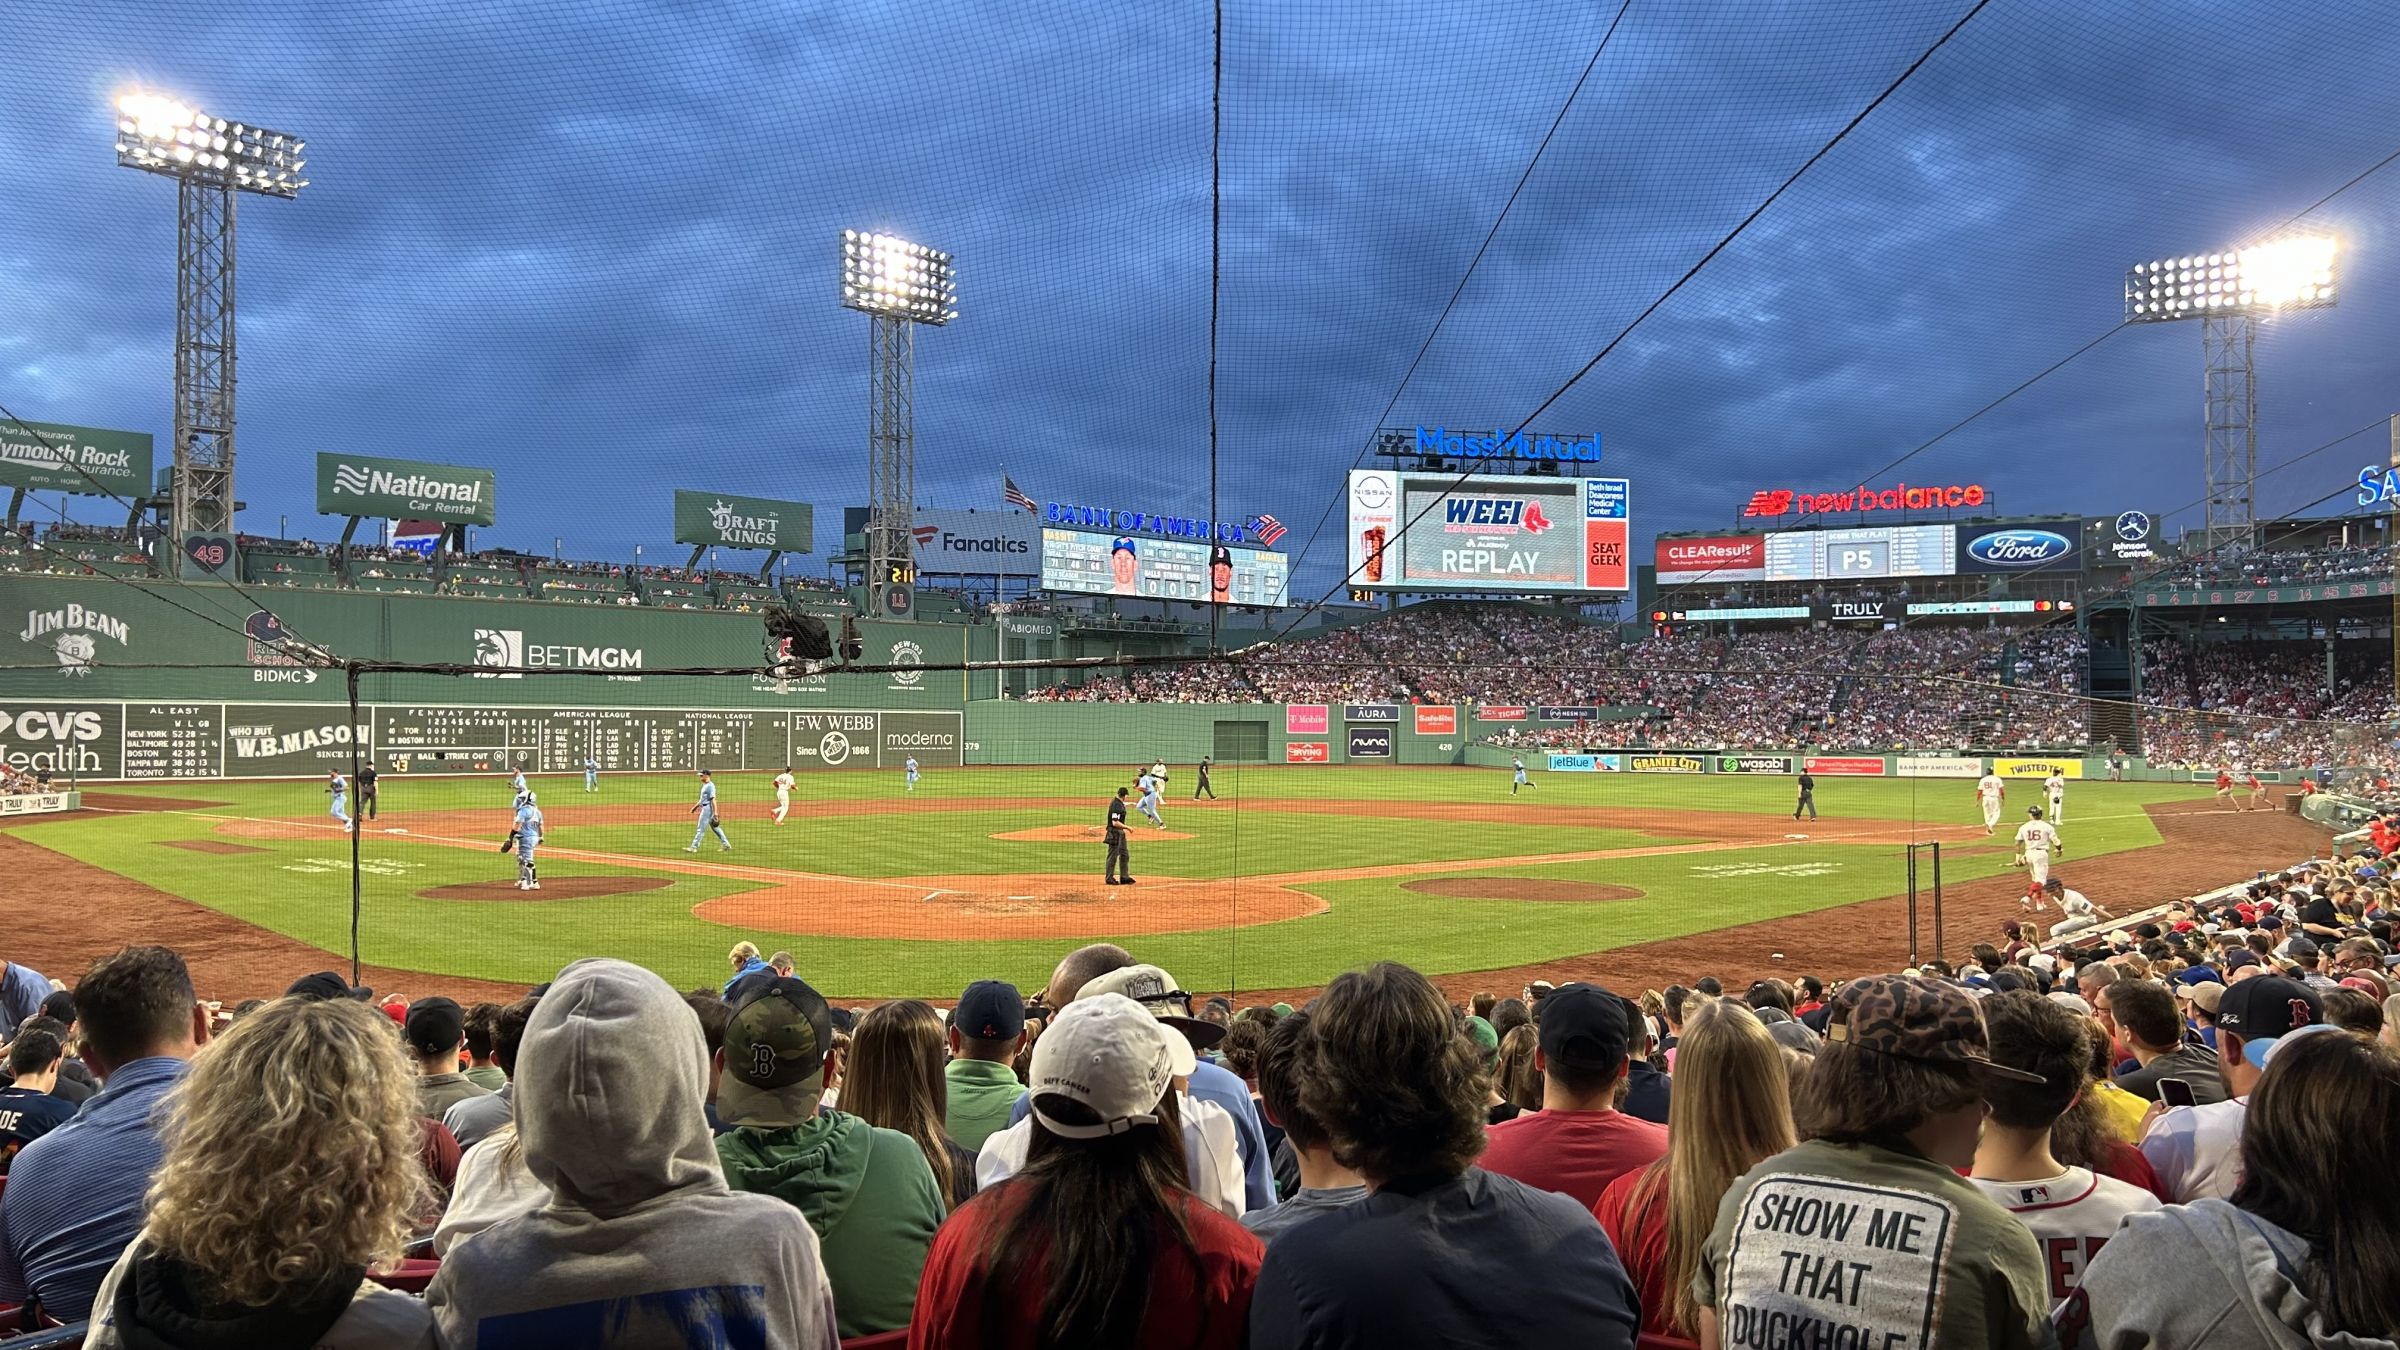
column 2176, row 1092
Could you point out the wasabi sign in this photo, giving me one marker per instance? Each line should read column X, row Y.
column 54, row 457
column 393, row 489
column 725, row 520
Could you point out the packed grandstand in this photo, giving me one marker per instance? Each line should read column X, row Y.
column 348, row 1166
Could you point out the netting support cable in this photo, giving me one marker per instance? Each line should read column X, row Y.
column 358, row 805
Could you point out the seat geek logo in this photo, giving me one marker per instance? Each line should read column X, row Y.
column 2019, row 548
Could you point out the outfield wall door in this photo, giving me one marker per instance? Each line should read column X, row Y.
column 1241, row 742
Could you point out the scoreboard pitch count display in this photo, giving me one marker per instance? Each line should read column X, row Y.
column 1875, row 551
column 1433, row 532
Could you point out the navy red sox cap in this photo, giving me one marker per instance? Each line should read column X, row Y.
column 990, row 1010
column 2265, row 1007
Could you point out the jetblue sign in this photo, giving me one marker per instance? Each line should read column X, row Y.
column 2047, row 546
column 1497, row 445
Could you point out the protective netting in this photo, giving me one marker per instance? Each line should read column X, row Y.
column 1203, row 261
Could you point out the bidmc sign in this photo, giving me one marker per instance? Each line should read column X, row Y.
column 1902, row 497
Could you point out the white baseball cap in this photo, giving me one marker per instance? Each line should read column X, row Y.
column 1109, row 1054
column 1156, row 991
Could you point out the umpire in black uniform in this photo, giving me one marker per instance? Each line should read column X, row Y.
column 366, row 789
column 1808, row 797
column 1201, row 785
column 1120, row 858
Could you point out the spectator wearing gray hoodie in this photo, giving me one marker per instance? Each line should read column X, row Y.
column 642, row 1243
column 2304, row 1256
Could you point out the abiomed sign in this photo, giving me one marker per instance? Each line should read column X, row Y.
column 723, row 519
column 393, row 489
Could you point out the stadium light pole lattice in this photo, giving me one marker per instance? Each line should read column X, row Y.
column 2229, row 293
column 898, row 285
column 211, row 159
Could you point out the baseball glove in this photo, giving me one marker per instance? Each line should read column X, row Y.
column 2017, row 861
column 509, row 844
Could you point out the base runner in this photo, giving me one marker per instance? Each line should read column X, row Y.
column 1989, row 793
column 2036, row 842
column 1148, row 805
column 783, row 794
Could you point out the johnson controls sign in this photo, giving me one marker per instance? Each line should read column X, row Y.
column 364, row 485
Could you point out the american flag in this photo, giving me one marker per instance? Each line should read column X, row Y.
column 1268, row 529
column 1012, row 495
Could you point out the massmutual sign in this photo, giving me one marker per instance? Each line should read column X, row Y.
column 366, row 485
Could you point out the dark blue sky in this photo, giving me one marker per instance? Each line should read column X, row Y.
column 592, row 245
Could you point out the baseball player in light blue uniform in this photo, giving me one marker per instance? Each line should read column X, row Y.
column 516, row 782
column 912, row 773
column 340, row 788
column 528, row 835
column 1520, row 781
column 705, row 810
column 1148, row 805
column 591, row 774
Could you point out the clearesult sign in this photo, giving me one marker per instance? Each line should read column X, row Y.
column 368, row 485
column 725, row 520
column 1665, row 764
column 1753, row 764
column 56, row 457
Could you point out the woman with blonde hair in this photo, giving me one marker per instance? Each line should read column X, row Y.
column 292, row 1169
column 1519, row 1080
column 745, row 961
column 1731, row 1110
column 895, row 1079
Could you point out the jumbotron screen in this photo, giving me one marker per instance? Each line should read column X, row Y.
column 1163, row 569
column 1427, row 531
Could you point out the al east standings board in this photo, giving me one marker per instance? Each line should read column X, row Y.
column 1436, row 532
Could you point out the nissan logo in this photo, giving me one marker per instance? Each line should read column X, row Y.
column 1374, row 492
column 2019, row 548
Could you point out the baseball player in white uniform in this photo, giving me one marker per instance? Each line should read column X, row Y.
column 2055, row 788
column 2036, row 842
column 783, row 795
column 1989, row 793
column 2080, row 915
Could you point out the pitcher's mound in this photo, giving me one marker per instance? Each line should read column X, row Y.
column 1520, row 888
column 1083, row 834
column 556, row 888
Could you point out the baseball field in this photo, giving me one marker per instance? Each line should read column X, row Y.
column 1290, row 876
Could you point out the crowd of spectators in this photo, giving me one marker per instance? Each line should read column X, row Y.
column 2275, row 567
column 2267, row 703
column 2175, row 1133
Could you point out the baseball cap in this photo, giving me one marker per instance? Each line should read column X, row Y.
column 775, row 1045
column 2072, row 1002
column 2191, row 975
column 2205, row 997
column 1109, row 1054
column 1930, row 1020
column 2302, row 946
column 1583, row 1027
column 1487, row 1041
column 434, row 1024
column 2260, row 1010
column 1282, row 1010
column 2366, row 984
column 2240, row 960
column 990, row 1010
column 1154, row 989
column 2043, row 962
column 324, row 984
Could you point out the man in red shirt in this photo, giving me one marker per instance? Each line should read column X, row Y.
column 1578, row 1142
column 2225, row 788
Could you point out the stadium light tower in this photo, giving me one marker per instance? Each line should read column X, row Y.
column 898, row 285
column 2229, row 293
column 210, row 159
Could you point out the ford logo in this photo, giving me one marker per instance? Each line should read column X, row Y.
column 2018, row 548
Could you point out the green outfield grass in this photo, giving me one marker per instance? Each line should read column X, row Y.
column 301, row 887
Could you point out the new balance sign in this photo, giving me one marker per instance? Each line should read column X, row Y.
column 364, row 485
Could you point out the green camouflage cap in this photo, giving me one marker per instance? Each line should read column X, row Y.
column 775, row 1047
column 1910, row 1017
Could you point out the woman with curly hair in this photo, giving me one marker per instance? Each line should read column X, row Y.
column 1440, row 1252
column 292, row 1168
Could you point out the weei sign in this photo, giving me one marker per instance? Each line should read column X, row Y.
column 55, row 457
column 367, row 485
column 722, row 519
